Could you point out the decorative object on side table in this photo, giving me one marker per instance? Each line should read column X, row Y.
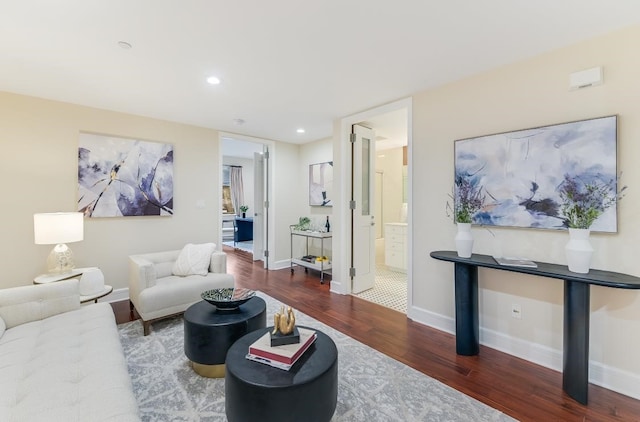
column 284, row 328
column 303, row 224
column 244, row 209
column 59, row 228
column 229, row 298
column 281, row 356
column 584, row 200
column 468, row 199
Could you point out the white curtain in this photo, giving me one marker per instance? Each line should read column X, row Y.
column 237, row 188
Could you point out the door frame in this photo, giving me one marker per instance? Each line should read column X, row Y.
column 270, row 220
column 341, row 280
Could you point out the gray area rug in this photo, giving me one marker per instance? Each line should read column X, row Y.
column 372, row 386
column 243, row 246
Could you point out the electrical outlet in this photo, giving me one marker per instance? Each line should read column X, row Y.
column 516, row 311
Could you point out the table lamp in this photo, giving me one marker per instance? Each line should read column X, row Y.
column 58, row 228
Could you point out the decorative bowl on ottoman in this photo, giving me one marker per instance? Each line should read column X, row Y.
column 228, row 298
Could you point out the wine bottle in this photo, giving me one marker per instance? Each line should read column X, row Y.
column 327, row 225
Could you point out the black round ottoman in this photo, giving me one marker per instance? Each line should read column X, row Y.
column 258, row 392
column 210, row 332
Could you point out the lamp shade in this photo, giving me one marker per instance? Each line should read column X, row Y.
column 58, row 227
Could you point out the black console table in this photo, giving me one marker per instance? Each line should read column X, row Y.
column 575, row 358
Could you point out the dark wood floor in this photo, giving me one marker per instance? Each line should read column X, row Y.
column 514, row 386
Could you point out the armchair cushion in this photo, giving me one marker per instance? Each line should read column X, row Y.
column 194, row 259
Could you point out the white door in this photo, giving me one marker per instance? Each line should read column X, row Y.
column 378, row 210
column 363, row 203
column 258, row 204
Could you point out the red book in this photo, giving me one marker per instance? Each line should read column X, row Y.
column 287, row 354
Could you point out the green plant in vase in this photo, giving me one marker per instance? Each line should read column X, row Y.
column 583, row 200
column 303, row 223
column 244, row 209
column 468, row 199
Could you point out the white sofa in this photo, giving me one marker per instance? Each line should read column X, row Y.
column 157, row 293
column 60, row 361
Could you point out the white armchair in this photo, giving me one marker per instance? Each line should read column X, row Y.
column 157, row 293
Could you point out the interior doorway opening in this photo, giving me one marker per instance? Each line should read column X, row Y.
column 244, row 215
column 391, row 178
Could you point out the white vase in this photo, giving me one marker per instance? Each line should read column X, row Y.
column 579, row 251
column 464, row 240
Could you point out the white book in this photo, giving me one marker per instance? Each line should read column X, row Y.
column 269, row 362
column 515, row 262
column 284, row 356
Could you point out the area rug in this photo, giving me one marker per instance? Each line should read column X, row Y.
column 371, row 386
column 243, row 246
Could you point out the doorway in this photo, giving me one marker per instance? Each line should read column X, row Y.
column 393, row 234
column 245, row 222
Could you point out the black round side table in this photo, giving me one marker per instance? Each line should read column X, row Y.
column 258, row 392
column 209, row 333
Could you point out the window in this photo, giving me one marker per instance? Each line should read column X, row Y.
column 227, row 204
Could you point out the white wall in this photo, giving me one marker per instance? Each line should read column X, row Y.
column 288, row 189
column 389, row 161
column 38, row 169
column 313, row 153
column 523, row 95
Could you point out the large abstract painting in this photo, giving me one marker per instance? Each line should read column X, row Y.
column 124, row 177
column 321, row 184
column 520, row 173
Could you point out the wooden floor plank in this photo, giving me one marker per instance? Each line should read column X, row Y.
column 519, row 388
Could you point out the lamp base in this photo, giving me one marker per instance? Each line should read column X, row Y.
column 60, row 260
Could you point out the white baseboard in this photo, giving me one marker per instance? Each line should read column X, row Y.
column 280, row 265
column 431, row 319
column 336, row 287
column 623, row 382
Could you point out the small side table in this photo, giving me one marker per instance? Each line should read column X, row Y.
column 52, row 278
column 76, row 273
column 209, row 333
column 88, row 298
column 255, row 392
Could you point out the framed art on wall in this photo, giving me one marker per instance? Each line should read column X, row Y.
column 124, row 177
column 522, row 172
column 321, row 184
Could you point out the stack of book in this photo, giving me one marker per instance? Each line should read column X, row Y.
column 281, row 357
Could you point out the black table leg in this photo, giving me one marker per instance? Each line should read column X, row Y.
column 575, row 367
column 467, row 327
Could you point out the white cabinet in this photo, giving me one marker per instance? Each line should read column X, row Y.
column 395, row 246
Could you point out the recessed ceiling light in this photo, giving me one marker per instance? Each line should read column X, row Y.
column 124, row 45
column 301, row 130
column 213, row 80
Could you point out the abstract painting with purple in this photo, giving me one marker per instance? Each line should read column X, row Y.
column 523, row 172
column 124, row 177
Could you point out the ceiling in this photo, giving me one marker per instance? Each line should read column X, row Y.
column 283, row 64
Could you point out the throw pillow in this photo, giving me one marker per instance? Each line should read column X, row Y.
column 194, row 259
